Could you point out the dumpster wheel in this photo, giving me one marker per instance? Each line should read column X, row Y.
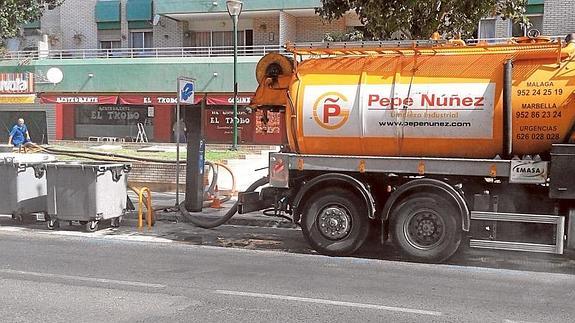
column 17, row 216
column 52, row 224
column 115, row 222
column 92, row 226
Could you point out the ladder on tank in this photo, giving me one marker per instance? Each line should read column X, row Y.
column 387, row 46
column 142, row 136
column 358, row 47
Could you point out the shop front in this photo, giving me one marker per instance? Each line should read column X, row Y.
column 18, row 100
column 254, row 127
column 84, row 117
column 81, row 117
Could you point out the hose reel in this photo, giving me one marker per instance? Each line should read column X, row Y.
column 272, row 66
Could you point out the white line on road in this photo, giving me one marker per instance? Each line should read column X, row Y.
column 107, row 234
column 80, row 278
column 329, row 302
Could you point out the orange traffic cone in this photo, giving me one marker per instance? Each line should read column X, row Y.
column 216, row 202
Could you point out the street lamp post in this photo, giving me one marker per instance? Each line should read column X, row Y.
column 234, row 9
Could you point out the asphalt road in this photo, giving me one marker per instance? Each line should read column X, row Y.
column 53, row 278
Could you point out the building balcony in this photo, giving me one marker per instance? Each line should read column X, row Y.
column 187, row 7
column 163, row 52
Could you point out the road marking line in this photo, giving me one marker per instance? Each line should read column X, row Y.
column 511, row 321
column 329, row 302
column 108, row 234
column 80, row 278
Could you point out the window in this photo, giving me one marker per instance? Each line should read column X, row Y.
column 226, row 38
column 220, row 38
column 31, row 32
column 486, row 28
column 202, row 39
column 536, row 23
column 141, row 39
column 110, row 44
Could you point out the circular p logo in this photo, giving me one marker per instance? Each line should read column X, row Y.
column 331, row 110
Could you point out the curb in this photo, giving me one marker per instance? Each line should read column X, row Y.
column 240, row 220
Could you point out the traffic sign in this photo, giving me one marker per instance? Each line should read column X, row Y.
column 186, row 91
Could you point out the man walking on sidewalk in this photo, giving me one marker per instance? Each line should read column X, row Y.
column 19, row 135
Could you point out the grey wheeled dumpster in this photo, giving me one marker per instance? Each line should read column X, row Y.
column 88, row 192
column 23, row 187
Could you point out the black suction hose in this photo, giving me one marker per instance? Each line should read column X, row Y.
column 104, row 154
column 208, row 224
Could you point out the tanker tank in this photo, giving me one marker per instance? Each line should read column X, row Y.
column 441, row 100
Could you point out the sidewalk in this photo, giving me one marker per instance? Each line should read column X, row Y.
column 169, row 229
column 168, row 201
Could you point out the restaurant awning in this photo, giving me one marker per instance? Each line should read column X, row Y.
column 142, row 99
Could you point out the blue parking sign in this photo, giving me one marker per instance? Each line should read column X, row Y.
column 186, row 91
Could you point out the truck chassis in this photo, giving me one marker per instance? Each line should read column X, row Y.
column 427, row 205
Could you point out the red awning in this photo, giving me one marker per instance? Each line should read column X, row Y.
column 79, row 99
column 138, row 99
column 228, row 100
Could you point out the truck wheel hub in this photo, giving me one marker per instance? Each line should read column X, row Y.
column 334, row 223
column 424, row 229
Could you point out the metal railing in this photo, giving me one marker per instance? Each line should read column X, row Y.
column 401, row 43
column 223, row 51
column 217, row 51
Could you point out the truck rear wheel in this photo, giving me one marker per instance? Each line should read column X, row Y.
column 426, row 227
column 335, row 222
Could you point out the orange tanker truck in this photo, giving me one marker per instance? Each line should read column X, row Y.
column 430, row 142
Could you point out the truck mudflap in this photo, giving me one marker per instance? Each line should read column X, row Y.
column 279, row 170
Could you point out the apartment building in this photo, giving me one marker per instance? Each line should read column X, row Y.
column 120, row 60
column 549, row 17
column 106, row 24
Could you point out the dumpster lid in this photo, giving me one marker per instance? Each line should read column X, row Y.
column 15, row 158
column 88, row 164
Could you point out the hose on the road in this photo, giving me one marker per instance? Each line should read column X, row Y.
column 203, row 223
column 275, row 213
column 208, row 224
column 75, row 153
column 108, row 156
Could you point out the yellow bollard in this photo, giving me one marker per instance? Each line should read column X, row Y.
column 150, row 217
column 150, row 213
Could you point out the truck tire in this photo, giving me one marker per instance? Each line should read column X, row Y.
column 335, row 222
column 426, row 228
